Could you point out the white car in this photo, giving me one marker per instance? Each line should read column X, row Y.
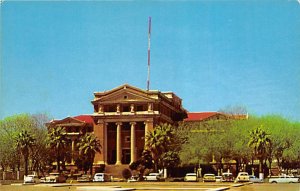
column 101, row 177
column 133, row 179
column 31, row 179
column 191, row 177
column 153, row 177
column 284, row 179
column 254, row 179
column 218, row 178
column 242, row 177
column 209, row 177
column 53, row 178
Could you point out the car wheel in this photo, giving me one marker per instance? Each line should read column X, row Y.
column 274, row 182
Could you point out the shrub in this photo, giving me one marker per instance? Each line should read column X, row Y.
column 126, row 173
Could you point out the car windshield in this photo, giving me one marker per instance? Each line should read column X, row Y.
column 190, row 174
column 153, row 174
column 227, row 174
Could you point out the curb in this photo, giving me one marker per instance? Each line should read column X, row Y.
column 219, row 189
column 186, row 188
column 100, row 188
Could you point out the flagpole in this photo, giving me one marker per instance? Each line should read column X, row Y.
column 149, row 35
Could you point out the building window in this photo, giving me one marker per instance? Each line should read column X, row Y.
column 126, row 108
column 140, row 108
column 125, row 97
column 126, row 127
column 140, row 126
column 111, row 108
column 127, row 139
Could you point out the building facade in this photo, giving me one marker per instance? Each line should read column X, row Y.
column 121, row 119
column 193, row 117
column 75, row 128
column 124, row 115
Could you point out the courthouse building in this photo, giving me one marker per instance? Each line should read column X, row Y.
column 121, row 119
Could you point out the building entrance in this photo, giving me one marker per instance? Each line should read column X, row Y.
column 125, row 156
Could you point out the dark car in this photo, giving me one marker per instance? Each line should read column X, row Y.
column 84, row 178
column 227, row 177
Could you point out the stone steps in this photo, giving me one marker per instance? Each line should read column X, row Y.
column 115, row 170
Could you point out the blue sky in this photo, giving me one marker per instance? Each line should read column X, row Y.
column 212, row 54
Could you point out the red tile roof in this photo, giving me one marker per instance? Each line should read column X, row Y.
column 85, row 118
column 199, row 116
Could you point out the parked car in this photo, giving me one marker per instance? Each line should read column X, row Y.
column 242, row 177
column 84, row 178
column 191, row 177
column 254, row 179
column 209, row 177
column 43, row 180
column 32, row 178
column 218, row 178
column 153, row 177
column 284, row 179
column 227, row 177
column 53, row 178
column 134, row 178
column 101, row 177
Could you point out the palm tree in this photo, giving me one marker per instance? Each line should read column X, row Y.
column 88, row 146
column 57, row 141
column 158, row 140
column 25, row 143
column 260, row 141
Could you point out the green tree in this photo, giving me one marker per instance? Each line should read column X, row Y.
column 162, row 140
column 58, row 141
column 199, row 145
column 88, row 146
column 207, row 141
column 156, row 141
column 170, row 159
column 260, row 142
column 145, row 162
column 241, row 153
column 25, row 143
column 40, row 154
column 10, row 127
column 281, row 142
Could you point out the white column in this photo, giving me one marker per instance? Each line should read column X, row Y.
column 150, row 107
column 119, row 144
column 146, row 128
column 132, row 143
column 132, row 108
column 105, row 152
column 146, row 132
column 100, row 110
column 73, row 150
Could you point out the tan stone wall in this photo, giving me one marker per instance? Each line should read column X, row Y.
column 99, row 133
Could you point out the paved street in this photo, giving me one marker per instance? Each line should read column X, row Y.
column 268, row 187
column 143, row 186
